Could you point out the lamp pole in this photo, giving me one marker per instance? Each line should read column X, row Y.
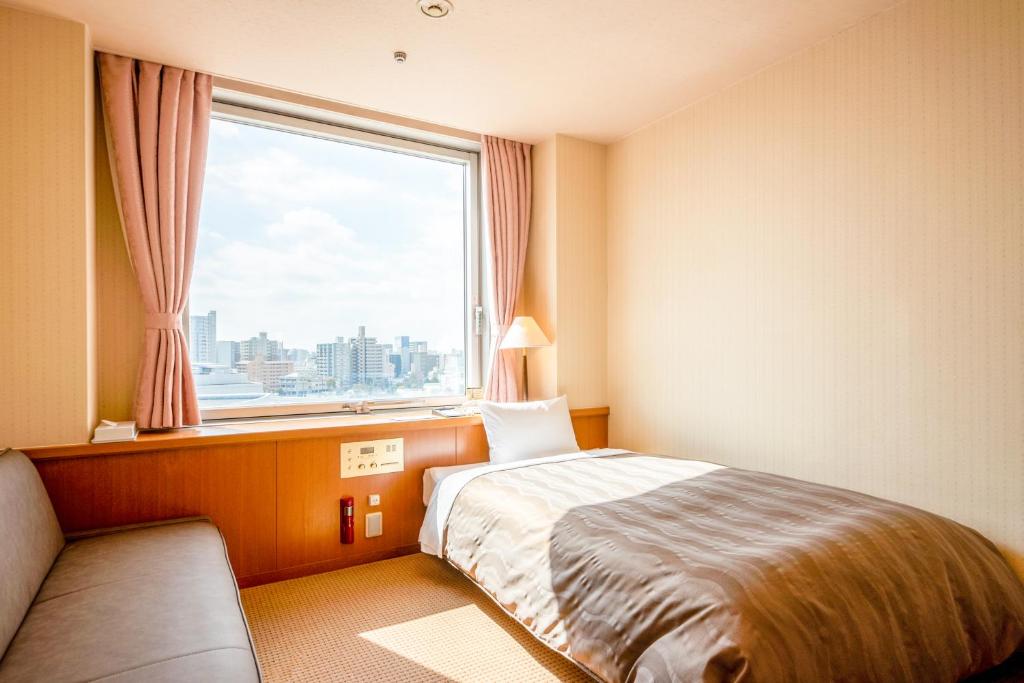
column 526, row 379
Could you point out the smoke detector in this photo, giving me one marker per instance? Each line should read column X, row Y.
column 400, row 57
column 436, row 9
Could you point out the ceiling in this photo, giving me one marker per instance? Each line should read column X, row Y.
column 523, row 69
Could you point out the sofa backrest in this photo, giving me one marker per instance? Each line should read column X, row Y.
column 31, row 540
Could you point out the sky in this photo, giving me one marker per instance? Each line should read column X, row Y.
column 306, row 239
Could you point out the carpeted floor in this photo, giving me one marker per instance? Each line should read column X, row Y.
column 410, row 619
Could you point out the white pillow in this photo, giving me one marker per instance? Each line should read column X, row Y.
column 531, row 429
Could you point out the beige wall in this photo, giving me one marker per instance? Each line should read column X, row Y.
column 564, row 285
column 820, row 271
column 581, row 271
column 47, row 240
column 540, row 294
column 119, row 311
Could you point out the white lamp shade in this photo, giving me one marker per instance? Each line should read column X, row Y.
column 524, row 333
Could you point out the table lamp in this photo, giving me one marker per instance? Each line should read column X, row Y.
column 524, row 333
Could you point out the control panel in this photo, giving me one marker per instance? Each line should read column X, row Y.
column 362, row 458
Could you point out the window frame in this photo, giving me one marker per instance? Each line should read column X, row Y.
column 319, row 123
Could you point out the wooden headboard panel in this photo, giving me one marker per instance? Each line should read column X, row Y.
column 273, row 492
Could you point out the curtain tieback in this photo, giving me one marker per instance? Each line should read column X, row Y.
column 163, row 321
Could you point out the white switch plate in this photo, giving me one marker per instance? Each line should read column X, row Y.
column 374, row 499
column 374, row 524
column 363, row 458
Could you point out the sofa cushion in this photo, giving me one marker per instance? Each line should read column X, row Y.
column 31, row 540
column 212, row 665
column 152, row 603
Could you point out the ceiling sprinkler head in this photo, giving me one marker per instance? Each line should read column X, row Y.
column 400, row 57
column 436, row 9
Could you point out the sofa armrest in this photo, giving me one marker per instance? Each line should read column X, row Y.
column 106, row 531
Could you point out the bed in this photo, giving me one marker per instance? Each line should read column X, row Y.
column 647, row 568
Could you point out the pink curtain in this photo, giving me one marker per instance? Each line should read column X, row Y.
column 509, row 188
column 158, row 122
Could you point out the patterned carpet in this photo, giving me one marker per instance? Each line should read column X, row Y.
column 410, row 619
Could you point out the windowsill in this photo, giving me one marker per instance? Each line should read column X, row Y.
column 273, row 423
column 249, row 430
column 242, row 431
column 341, row 408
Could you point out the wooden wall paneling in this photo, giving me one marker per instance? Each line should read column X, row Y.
column 276, row 496
column 472, row 445
column 591, row 431
column 310, row 488
column 233, row 485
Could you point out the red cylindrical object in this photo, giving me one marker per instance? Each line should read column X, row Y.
column 348, row 520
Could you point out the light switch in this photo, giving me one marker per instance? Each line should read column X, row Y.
column 374, row 524
column 374, row 499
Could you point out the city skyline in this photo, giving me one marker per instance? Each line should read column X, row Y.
column 195, row 330
column 263, row 370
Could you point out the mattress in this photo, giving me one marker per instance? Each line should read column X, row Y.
column 433, row 475
column 646, row 568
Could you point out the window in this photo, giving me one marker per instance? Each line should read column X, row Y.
column 334, row 266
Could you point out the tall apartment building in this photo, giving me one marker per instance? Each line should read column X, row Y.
column 202, row 338
column 334, row 359
column 368, row 359
column 400, row 355
column 325, row 365
column 261, row 347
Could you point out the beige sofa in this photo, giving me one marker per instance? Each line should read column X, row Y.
column 152, row 602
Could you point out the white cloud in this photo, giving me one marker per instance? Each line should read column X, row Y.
column 280, row 177
column 309, row 222
column 311, row 279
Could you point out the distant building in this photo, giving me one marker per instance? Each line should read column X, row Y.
column 325, row 366
column 266, row 372
column 261, row 347
column 334, row 360
column 368, row 358
column 421, row 363
column 388, row 366
column 202, row 338
column 228, row 353
column 400, row 356
column 300, row 384
column 297, row 356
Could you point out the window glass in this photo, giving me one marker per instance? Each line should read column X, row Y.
column 325, row 272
